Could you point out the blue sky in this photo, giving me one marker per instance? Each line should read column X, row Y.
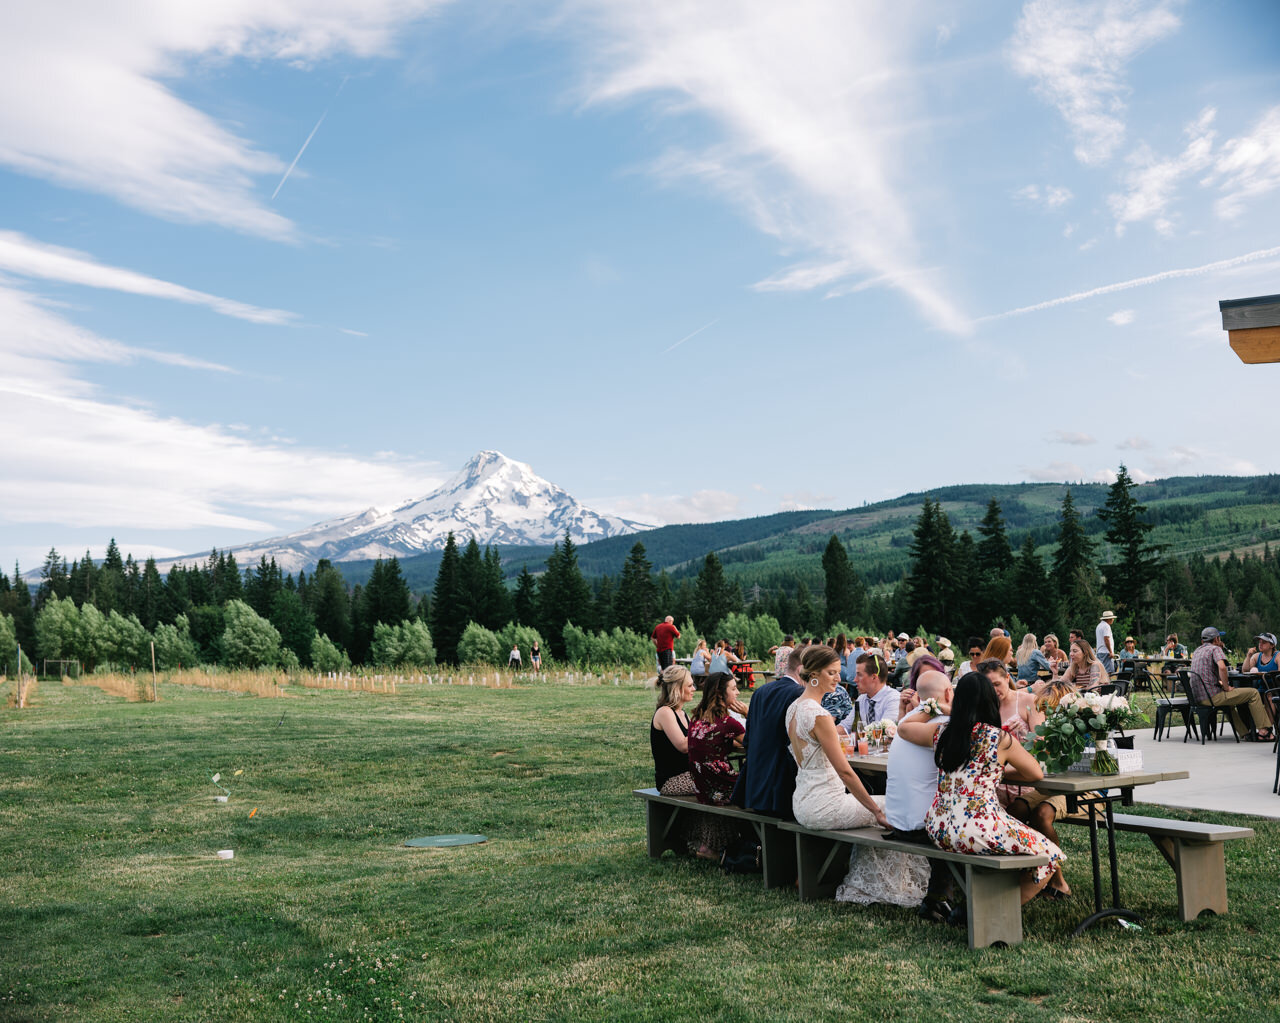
column 690, row 261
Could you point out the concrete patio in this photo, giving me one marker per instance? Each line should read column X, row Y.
column 1225, row 775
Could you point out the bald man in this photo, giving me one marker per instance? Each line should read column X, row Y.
column 913, row 781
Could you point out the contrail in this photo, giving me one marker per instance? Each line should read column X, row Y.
column 1137, row 282
column 300, row 152
column 694, row 334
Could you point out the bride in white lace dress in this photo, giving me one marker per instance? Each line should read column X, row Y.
column 824, row 779
column 822, row 798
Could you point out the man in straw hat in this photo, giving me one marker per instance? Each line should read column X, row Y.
column 1104, row 643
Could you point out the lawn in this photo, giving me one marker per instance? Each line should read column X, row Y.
column 113, row 906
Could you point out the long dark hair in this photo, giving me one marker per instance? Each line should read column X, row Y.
column 715, row 698
column 974, row 703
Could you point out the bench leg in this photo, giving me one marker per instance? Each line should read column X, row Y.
column 994, row 900
column 660, row 827
column 777, row 855
column 819, row 866
column 1201, row 872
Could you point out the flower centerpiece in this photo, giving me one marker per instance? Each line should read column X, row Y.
column 881, row 733
column 1060, row 741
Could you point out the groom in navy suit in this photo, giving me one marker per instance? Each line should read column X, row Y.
column 767, row 780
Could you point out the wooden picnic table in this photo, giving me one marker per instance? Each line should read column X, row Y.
column 1096, row 793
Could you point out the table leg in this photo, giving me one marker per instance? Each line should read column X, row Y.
column 1100, row 913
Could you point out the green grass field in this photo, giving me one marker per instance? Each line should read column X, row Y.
column 113, row 907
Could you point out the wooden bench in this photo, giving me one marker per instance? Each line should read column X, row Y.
column 777, row 850
column 991, row 884
column 1194, row 850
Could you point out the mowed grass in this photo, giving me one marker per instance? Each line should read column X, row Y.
column 113, row 907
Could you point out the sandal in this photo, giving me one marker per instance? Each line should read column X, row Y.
column 1266, row 735
column 1053, row 894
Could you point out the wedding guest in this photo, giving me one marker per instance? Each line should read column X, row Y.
column 713, row 735
column 1054, row 654
column 513, row 658
column 768, row 776
column 535, row 656
column 699, row 659
column 965, row 816
column 1031, row 661
column 1085, row 671
column 669, row 733
column 1000, row 648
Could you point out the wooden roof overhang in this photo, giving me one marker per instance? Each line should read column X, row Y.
column 1253, row 327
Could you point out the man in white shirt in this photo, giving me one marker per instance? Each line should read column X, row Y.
column 876, row 701
column 1104, row 646
column 913, row 782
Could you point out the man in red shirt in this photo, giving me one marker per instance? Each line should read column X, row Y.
column 664, row 638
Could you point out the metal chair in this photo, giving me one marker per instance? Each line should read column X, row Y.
column 1167, row 701
column 1206, row 713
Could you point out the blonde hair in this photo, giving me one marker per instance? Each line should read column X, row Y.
column 1028, row 646
column 671, row 684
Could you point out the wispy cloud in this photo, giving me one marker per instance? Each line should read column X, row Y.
column 809, row 103
column 1138, row 282
column 98, row 111
column 1076, row 53
column 1070, row 437
column 1152, row 182
column 1248, row 166
column 669, row 509
column 28, row 258
column 1050, row 196
column 1122, row 317
column 1134, row 444
column 1054, row 472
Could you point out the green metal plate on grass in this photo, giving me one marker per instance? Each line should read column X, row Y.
column 445, row 841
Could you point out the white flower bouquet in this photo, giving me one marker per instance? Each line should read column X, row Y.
column 1060, row 740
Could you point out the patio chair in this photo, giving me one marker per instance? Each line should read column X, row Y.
column 1206, row 713
column 1167, row 702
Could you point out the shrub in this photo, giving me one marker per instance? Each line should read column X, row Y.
column 174, row 646
column 326, row 656
column 479, row 645
column 408, row 643
column 522, row 636
column 757, row 633
column 249, row 641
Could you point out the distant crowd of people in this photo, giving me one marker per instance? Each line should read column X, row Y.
column 960, row 774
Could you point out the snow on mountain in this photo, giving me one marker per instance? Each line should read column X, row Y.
column 493, row 498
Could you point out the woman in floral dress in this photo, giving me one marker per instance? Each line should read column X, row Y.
column 713, row 735
column 966, row 816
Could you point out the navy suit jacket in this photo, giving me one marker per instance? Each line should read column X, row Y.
column 768, row 778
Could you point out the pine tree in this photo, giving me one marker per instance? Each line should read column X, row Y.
column 263, row 585
column 602, row 613
column 472, row 576
column 526, row 598
column 636, row 604
column 150, row 596
column 846, row 594
column 53, row 576
column 448, row 603
column 496, row 606
column 993, row 562
column 1137, row 559
column 563, row 595
column 296, row 625
column 1073, row 571
column 108, row 594
column 714, row 597
column 82, row 580
column 329, row 603
column 929, row 595
column 964, row 602
column 806, row 614
column 1032, row 593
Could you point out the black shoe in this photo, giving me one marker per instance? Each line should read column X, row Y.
column 936, row 911
column 959, row 916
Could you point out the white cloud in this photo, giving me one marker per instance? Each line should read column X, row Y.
column 1054, row 472
column 1070, row 437
column 668, row 509
column 1050, row 197
column 1077, row 52
column 1134, row 444
column 1249, row 166
column 1138, row 282
column 21, row 255
column 810, row 100
column 804, row 500
column 94, row 109
column 1122, row 317
column 1152, row 182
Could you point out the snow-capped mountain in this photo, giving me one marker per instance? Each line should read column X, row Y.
column 493, row 498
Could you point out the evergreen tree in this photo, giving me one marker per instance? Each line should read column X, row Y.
column 806, row 614
column 714, row 597
column 1135, row 566
column 1073, row 570
column 964, row 602
column 151, row 597
column 296, row 624
column 930, row 594
column 82, row 580
column 563, row 595
column 18, row 605
column 472, row 574
column 53, row 575
column 132, row 585
column 496, row 607
column 108, row 594
column 448, row 606
column 263, row 585
column 636, row 605
column 603, row 610
column 177, row 595
column 993, row 562
column 1032, row 593
column 328, row 602
column 526, row 598
column 846, row 594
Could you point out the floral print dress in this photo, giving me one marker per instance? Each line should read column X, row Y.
column 966, row 817
column 710, row 744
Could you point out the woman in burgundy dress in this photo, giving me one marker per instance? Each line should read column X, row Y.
column 713, row 735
